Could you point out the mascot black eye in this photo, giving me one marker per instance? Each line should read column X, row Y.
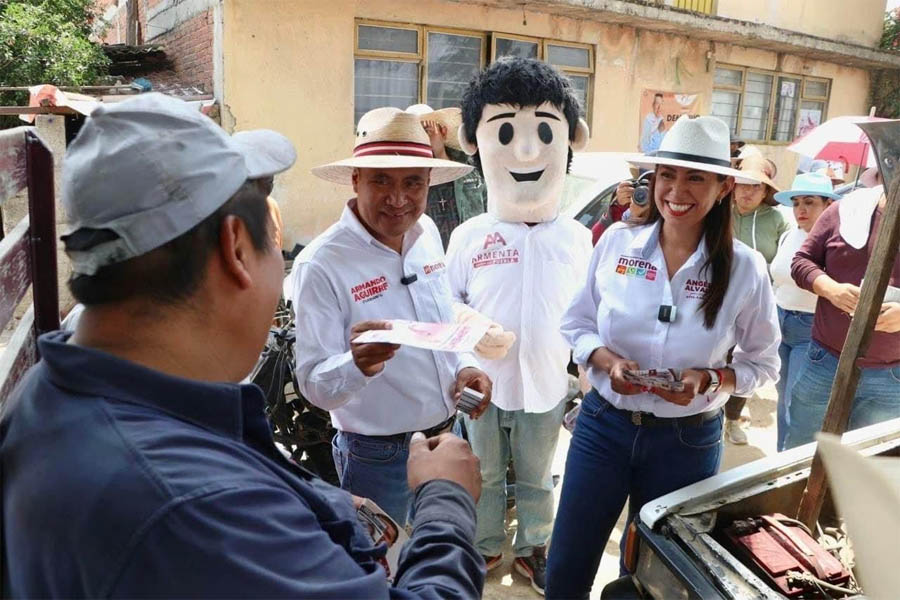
column 506, row 133
column 545, row 133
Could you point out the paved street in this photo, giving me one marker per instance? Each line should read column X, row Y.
column 503, row 583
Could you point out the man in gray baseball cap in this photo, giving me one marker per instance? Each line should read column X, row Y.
column 133, row 463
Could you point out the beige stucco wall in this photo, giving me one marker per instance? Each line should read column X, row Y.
column 290, row 68
column 854, row 21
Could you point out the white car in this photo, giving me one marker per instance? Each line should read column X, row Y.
column 591, row 185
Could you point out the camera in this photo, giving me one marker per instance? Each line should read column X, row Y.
column 641, row 191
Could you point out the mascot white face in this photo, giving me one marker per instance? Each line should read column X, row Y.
column 524, row 153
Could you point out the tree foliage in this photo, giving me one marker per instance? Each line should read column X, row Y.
column 885, row 84
column 47, row 41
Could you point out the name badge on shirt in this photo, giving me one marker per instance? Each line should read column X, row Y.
column 433, row 268
column 369, row 290
column 631, row 266
column 695, row 289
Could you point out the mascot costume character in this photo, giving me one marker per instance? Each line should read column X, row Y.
column 518, row 266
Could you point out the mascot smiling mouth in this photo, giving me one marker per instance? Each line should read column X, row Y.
column 533, row 176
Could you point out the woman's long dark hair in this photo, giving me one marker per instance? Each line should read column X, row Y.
column 719, row 247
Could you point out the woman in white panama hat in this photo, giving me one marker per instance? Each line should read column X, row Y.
column 675, row 292
column 810, row 195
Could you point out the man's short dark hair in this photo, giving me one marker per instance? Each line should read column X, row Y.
column 173, row 272
column 658, row 95
column 520, row 82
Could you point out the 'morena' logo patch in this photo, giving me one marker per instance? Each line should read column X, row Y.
column 369, row 290
column 636, row 267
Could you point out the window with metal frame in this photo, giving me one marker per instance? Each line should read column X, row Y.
column 400, row 64
column 768, row 107
column 453, row 59
column 386, row 66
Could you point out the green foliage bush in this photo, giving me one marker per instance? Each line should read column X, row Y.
column 884, row 90
column 47, row 41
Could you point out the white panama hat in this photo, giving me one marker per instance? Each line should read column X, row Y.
column 700, row 143
column 389, row 138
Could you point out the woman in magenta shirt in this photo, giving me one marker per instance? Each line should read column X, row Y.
column 831, row 263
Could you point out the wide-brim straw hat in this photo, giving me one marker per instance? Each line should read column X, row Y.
column 389, row 138
column 762, row 169
column 450, row 118
column 808, row 184
column 701, row 143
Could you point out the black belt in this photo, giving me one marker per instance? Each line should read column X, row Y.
column 650, row 420
column 438, row 429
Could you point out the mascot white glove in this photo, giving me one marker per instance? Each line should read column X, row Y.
column 495, row 343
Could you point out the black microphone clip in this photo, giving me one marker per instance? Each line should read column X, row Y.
column 666, row 313
column 408, row 279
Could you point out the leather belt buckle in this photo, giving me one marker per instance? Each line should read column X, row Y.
column 636, row 418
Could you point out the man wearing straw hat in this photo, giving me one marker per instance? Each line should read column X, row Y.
column 450, row 204
column 382, row 260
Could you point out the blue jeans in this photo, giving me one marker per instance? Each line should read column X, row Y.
column 795, row 330
column 611, row 460
column 531, row 440
column 376, row 469
column 877, row 396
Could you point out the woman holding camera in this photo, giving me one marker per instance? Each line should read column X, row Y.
column 674, row 292
column 630, row 204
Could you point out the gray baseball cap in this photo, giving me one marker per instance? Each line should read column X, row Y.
column 144, row 171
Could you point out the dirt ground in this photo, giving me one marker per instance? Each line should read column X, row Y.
column 759, row 415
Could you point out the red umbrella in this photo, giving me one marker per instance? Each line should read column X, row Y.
column 838, row 139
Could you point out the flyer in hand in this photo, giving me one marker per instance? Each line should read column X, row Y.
column 444, row 337
column 383, row 530
column 661, row 379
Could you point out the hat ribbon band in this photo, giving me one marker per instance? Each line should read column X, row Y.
column 692, row 158
column 393, row 148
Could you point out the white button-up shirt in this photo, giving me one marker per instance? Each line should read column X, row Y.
column 618, row 309
column 523, row 278
column 789, row 295
column 345, row 276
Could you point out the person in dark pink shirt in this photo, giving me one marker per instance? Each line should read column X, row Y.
column 831, row 263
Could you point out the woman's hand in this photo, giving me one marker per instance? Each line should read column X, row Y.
column 613, row 364
column 844, row 296
column 889, row 318
column 694, row 380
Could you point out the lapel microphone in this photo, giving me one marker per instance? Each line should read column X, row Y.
column 408, row 279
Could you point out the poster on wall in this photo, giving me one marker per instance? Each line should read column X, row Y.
column 810, row 118
column 659, row 111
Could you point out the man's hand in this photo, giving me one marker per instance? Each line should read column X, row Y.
column 889, row 318
column 437, row 133
column 694, row 380
column 370, row 358
column 470, row 377
column 844, row 296
column 624, row 193
column 443, row 457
